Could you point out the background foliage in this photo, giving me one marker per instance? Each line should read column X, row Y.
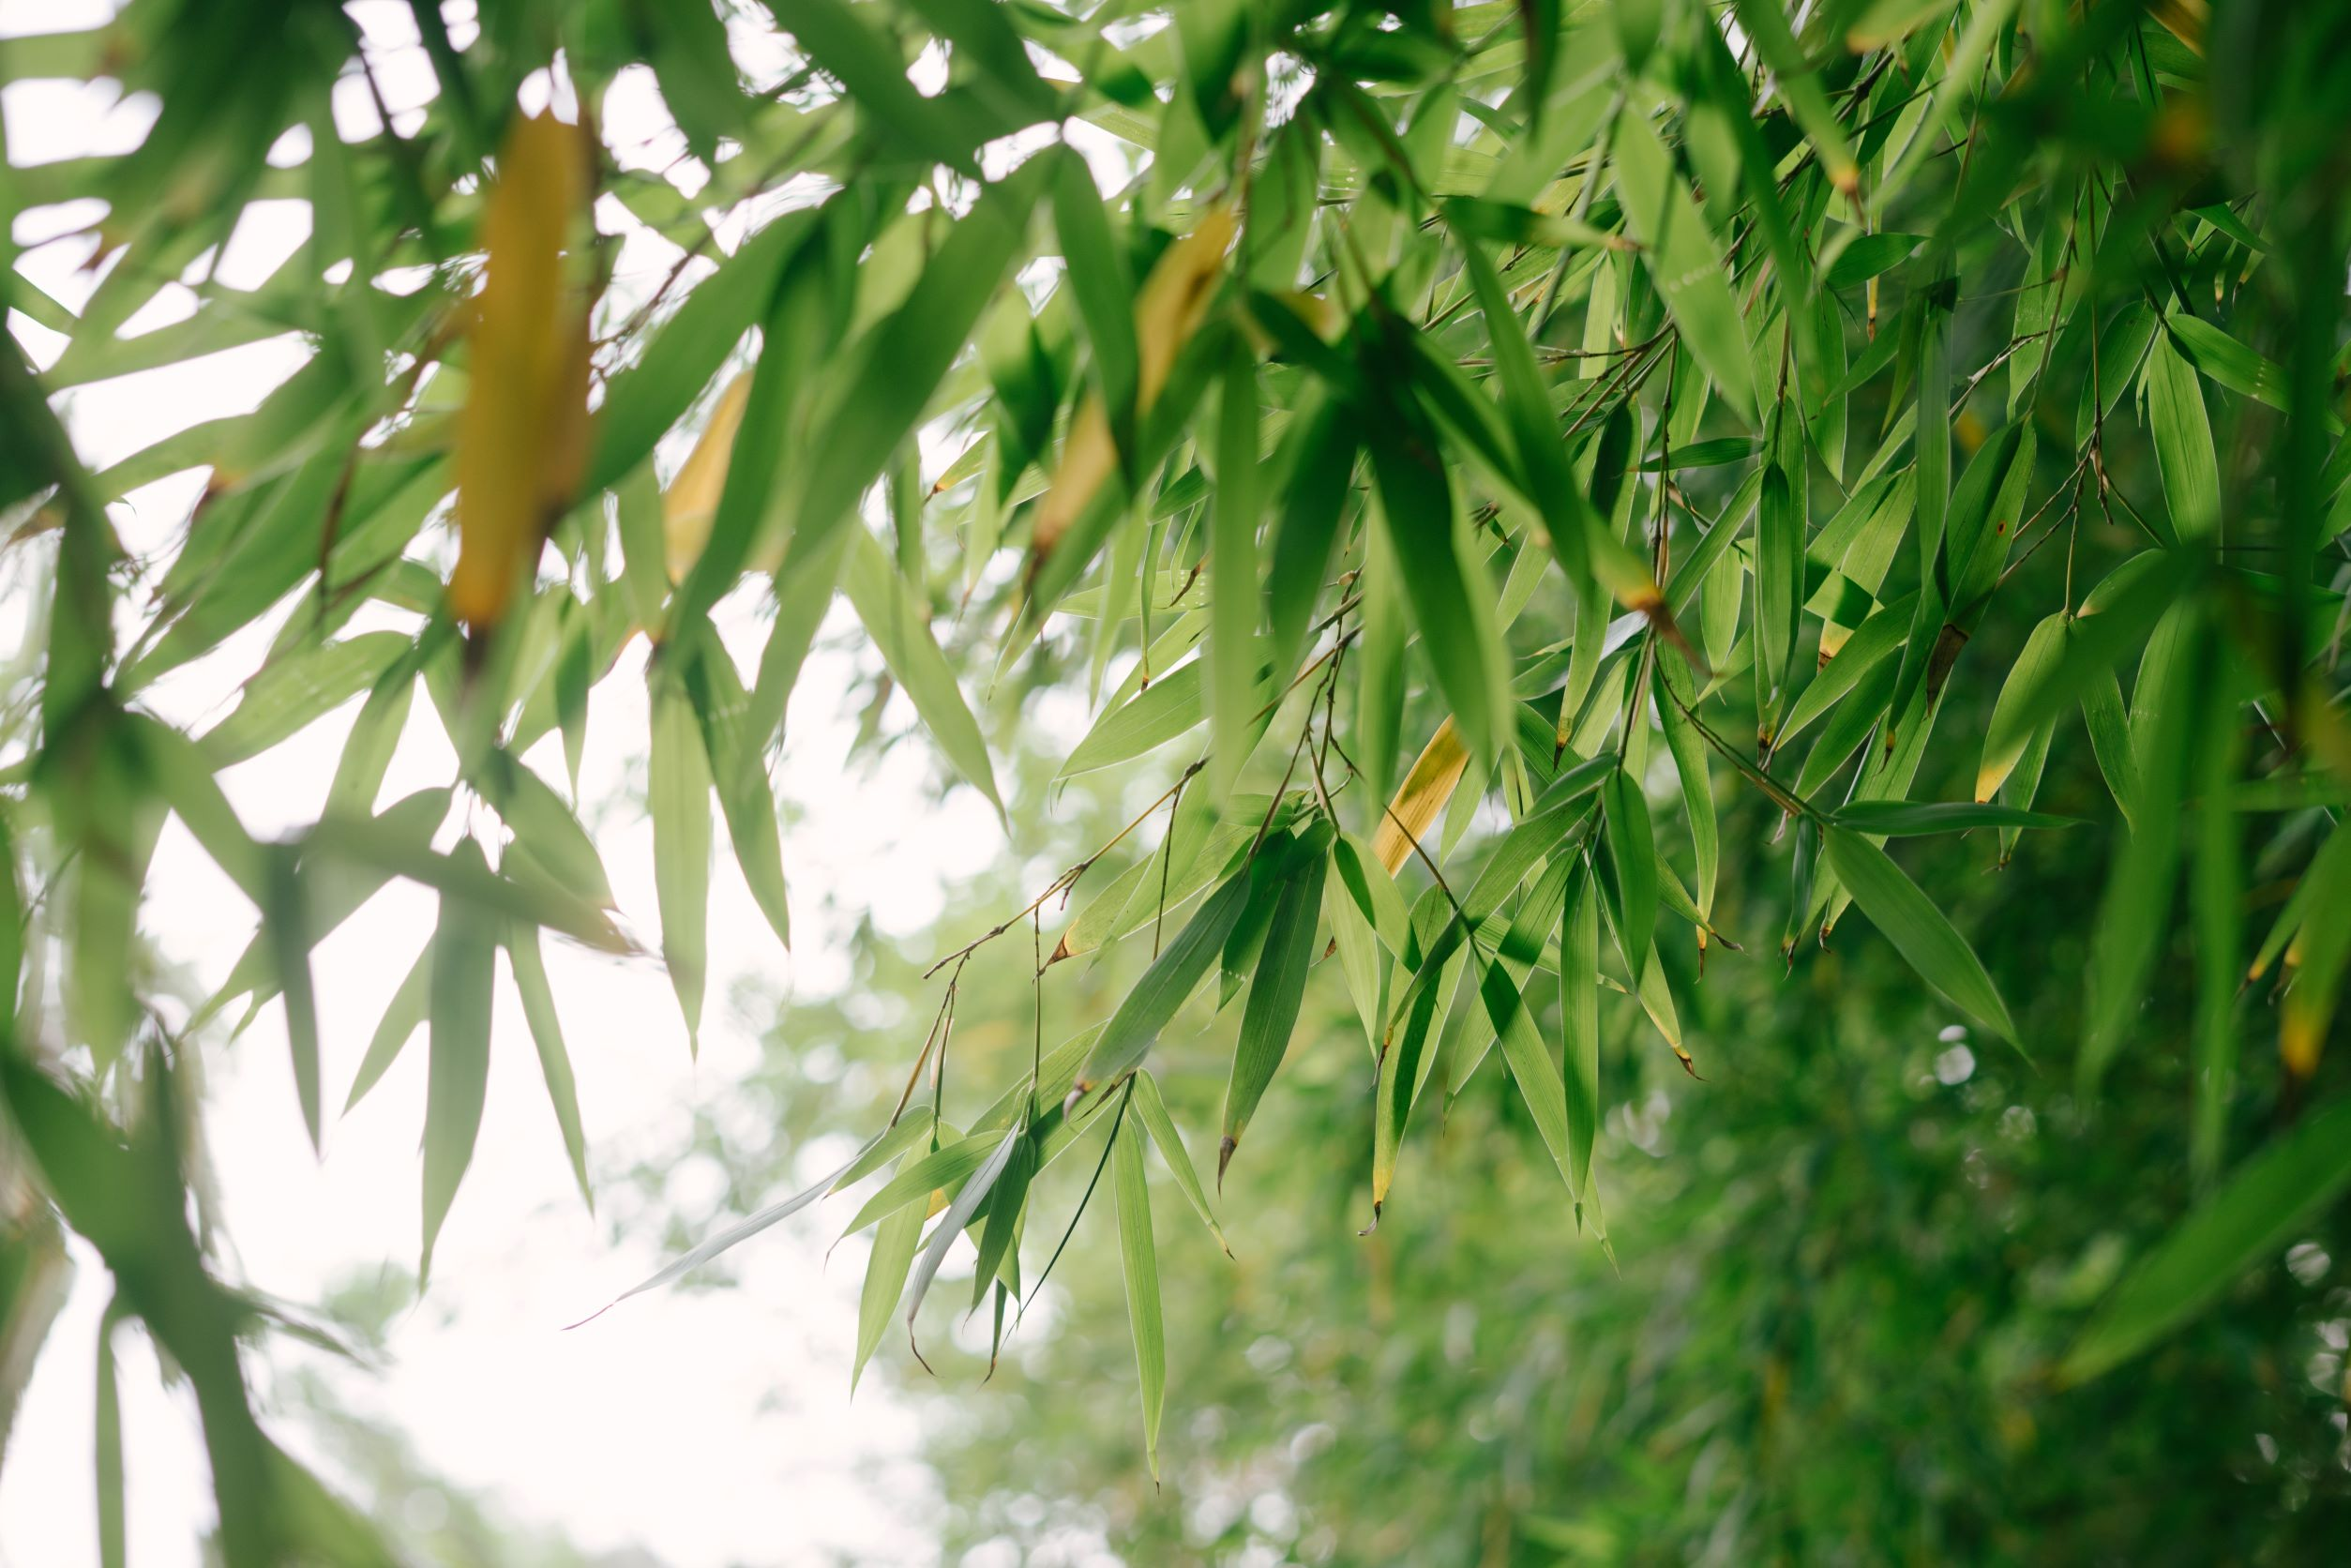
column 1643, row 481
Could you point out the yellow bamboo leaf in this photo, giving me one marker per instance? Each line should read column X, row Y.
column 523, row 445
column 692, row 502
column 2184, row 20
column 1421, row 797
column 1168, row 310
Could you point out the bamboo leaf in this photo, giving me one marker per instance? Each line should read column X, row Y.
column 1148, row 1008
column 460, row 995
column 1139, row 1258
column 547, row 1032
column 1272, row 1014
column 1632, row 862
column 679, row 798
column 1683, row 259
column 901, row 629
column 1888, row 818
column 958, row 1214
column 886, row 1268
column 1922, row 933
column 402, row 1017
column 1421, row 798
column 2263, row 1203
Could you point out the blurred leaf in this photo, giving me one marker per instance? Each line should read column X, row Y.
column 460, row 982
column 2265, row 1200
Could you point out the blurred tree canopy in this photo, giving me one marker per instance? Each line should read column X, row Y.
column 1547, row 511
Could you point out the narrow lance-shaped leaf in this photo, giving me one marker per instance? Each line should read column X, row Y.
column 901, row 631
column 678, row 793
column 2181, row 434
column 958, row 1214
column 2005, row 738
column 894, row 1243
column 462, row 950
column 1139, row 1258
column 547, row 1032
column 1152, row 1110
column 2258, row 1210
column 1421, row 798
column 2134, row 916
column 1271, row 1013
column 1000, row 1235
column 1132, row 1031
column 879, row 1150
column 739, row 770
column 402, row 1017
column 1232, row 611
column 1633, row 863
column 288, row 924
column 1579, row 1015
column 1683, row 257
column 1922, row 933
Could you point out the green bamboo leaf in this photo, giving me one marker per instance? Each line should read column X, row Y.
column 463, row 948
column 1319, row 466
column 2216, row 891
column 367, row 754
column 1800, row 88
column 546, row 833
column 1579, row 1020
column 679, row 797
column 1379, row 687
column 2135, row 914
column 1139, row 1258
column 2004, row 738
column 286, row 922
column 1697, row 789
column 402, row 1017
column 1451, row 604
column 1168, row 707
column 2324, row 944
column 1103, row 289
column 1148, row 1008
column 2265, row 1202
column 1877, row 636
column 999, row 1236
column 1280, row 984
column 1632, row 862
column 966, row 1202
column 942, row 129
column 1162, row 1128
column 2227, row 361
column 739, row 770
column 900, row 628
column 112, row 1533
column 895, row 1245
column 943, row 1167
column 879, row 1151
column 547, row 1032
column 899, row 366
column 290, row 692
column 1894, row 819
column 1233, row 646
column 1501, row 990
column 1922, row 933
column 2181, row 432
column 1684, row 260
column 643, row 401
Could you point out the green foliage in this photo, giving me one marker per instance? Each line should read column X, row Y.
column 1659, row 330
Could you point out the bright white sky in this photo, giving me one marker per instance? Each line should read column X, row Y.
column 707, row 1427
